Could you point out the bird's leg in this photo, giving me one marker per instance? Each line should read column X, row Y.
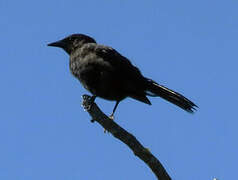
column 114, row 109
column 112, row 115
column 92, row 99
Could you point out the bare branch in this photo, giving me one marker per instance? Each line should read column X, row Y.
column 118, row 132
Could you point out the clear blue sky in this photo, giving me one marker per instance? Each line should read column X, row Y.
column 189, row 46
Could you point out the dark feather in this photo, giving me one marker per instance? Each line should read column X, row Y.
column 154, row 89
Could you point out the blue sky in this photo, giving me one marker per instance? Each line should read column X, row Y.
column 188, row 46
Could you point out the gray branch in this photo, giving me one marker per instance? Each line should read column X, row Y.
column 118, row 132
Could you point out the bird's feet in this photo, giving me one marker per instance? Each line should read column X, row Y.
column 112, row 118
column 88, row 102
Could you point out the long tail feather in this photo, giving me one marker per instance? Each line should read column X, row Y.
column 154, row 89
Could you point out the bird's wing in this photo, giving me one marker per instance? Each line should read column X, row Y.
column 116, row 60
column 132, row 80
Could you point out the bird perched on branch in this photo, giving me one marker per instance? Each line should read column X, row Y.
column 107, row 74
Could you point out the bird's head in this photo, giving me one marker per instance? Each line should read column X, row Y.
column 72, row 42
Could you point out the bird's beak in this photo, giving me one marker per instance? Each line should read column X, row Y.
column 60, row 44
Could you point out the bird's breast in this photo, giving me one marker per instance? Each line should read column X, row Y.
column 97, row 77
column 75, row 68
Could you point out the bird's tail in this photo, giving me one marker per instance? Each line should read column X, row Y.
column 154, row 89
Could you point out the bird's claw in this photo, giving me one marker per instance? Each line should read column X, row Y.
column 111, row 117
column 87, row 102
column 87, row 106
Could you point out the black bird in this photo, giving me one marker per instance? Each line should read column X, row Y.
column 107, row 74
